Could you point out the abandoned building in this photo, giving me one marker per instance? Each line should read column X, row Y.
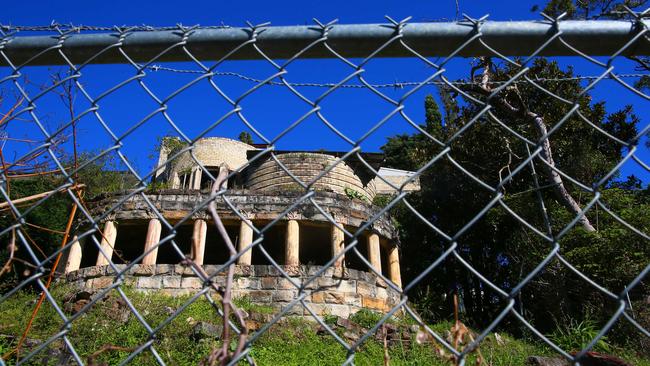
column 302, row 240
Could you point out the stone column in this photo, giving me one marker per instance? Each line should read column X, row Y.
column 153, row 237
column 197, row 178
column 107, row 243
column 393, row 266
column 245, row 239
column 338, row 244
column 198, row 241
column 292, row 244
column 74, row 256
column 374, row 253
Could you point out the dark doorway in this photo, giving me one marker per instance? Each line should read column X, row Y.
column 352, row 260
column 273, row 244
column 216, row 250
column 89, row 250
column 129, row 243
column 167, row 254
column 315, row 244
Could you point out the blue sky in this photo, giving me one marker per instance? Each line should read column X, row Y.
column 271, row 108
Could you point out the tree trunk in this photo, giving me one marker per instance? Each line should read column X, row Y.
column 560, row 190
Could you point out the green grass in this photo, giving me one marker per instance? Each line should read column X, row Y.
column 294, row 342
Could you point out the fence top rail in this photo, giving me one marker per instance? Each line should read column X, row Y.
column 510, row 38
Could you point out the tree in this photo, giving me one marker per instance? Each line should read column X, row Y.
column 45, row 224
column 498, row 245
column 605, row 9
column 246, row 138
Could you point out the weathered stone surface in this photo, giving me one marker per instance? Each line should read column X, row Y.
column 347, row 286
column 372, row 303
column 269, row 283
column 150, row 282
column 95, row 271
column 191, row 282
column 242, row 270
column 101, row 282
column 144, row 270
column 76, row 302
column 382, row 293
column 284, row 295
column 266, row 205
column 331, row 295
column 261, row 296
column 546, row 361
column 205, row 330
column 327, row 309
column 352, row 299
column 366, row 289
column 285, row 284
column 171, row 281
column 72, row 276
column 164, row 269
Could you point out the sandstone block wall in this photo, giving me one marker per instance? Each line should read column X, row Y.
column 269, row 176
column 340, row 292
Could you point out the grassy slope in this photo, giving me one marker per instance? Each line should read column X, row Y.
column 292, row 343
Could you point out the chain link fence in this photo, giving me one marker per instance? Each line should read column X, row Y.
column 613, row 49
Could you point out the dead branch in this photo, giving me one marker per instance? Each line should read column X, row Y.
column 385, row 338
column 40, row 195
column 92, row 358
column 12, row 250
column 499, row 101
column 222, row 355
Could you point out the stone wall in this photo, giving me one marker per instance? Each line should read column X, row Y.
column 338, row 292
column 269, row 176
column 396, row 177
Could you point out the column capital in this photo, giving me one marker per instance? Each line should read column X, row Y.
column 293, row 215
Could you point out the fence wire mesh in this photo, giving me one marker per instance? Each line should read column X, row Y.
column 491, row 94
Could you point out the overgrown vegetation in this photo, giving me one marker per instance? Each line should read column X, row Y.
column 498, row 245
column 47, row 221
column 295, row 341
column 354, row 194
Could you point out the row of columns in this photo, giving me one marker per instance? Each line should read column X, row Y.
column 199, row 234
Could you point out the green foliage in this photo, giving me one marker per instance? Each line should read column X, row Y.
column 100, row 176
column 246, row 137
column 354, row 194
column 366, row 318
column 572, row 335
column 157, row 186
column 294, row 341
column 382, row 200
column 498, row 245
column 591, row 9
column 246, row 304
column 168, row 144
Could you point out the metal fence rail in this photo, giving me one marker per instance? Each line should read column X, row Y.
column 206, row 48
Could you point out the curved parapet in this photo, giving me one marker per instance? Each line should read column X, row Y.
column 269, row 176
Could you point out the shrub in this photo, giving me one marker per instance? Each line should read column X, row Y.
column 574, row 335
